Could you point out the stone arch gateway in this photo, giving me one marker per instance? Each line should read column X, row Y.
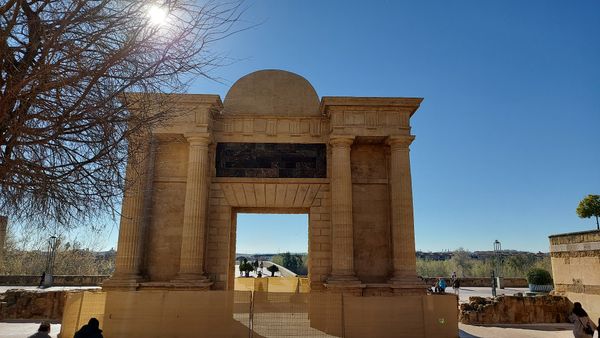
column 273, row 146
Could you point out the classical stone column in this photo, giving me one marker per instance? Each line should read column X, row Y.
column 403, row 234
column 133, row 215
column 341, row 211
column 191, row 263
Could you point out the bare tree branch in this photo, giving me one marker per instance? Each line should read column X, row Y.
column 64, row 67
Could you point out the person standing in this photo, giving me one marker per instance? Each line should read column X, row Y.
column 583, row 326
column 43, row 331
column 456, row 286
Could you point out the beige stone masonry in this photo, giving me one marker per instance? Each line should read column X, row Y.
column 191, row 267
column 179, row 223
column 133, row 217
column 403, row 238
column 575, row 259
column 341, row 211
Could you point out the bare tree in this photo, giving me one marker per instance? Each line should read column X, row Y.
column 64, row 68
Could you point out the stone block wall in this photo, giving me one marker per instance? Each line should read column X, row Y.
column 575, row 261
column 221, row 233
column 515, row 310
column 319, row 238
column 370, row 211
column 162, row 244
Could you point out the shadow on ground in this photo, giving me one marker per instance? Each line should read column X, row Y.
column 463, row 334
column 535, row 327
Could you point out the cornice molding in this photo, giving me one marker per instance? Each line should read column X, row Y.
column 327, row 102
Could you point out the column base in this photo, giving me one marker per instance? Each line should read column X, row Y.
column 345, row 284
column 191, row 282
column 408, row 285
column 125, row 282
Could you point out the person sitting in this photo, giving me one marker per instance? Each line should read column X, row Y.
column 441, row 285
column 43, row 331
column 90, row 330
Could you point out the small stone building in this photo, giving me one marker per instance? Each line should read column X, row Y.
column 576, row 268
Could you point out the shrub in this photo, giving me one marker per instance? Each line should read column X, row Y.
column 539, row 277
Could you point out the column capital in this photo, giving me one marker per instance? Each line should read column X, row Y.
column 400, row 141
column 198, row 138
column 341, row 140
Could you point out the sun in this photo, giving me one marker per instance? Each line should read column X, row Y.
column 157, row 15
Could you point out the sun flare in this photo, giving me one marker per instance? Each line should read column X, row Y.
column 157, row 15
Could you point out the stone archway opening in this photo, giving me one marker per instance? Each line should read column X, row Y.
column 269, row 237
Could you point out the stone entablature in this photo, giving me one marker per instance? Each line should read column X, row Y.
column 575, row 242
column 178, row 228
column 369, row 116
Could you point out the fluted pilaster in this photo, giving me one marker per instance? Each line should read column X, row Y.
column 341, row 210
column 133, row 219
column 191, row 264
column 403, row 234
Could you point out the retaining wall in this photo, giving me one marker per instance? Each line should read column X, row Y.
column 516, row 310
column 509, row 282
column 59, row 280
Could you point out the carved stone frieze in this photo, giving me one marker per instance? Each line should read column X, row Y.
column 268, row 126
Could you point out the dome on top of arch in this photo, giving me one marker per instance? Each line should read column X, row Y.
column 272, row 92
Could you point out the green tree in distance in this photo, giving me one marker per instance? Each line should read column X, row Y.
column 245, row 267
column 298, row 263
column 272, row 269
column 588, row 207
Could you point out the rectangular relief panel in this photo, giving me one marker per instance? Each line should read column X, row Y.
column 271, row 160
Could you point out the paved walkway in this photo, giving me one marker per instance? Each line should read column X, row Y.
column 516, row 331
column 23, row 330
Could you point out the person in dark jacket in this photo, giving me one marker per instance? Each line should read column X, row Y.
column 584, row 327
column 90, row 330
column 43, row 331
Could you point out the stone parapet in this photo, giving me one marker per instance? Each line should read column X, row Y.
column 575, row 237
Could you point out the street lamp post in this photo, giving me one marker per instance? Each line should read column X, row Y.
column 49, row 272
column 498, row 262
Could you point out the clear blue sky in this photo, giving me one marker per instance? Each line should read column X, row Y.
column 508, row 137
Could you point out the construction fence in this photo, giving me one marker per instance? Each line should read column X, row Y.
column 255, row 314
